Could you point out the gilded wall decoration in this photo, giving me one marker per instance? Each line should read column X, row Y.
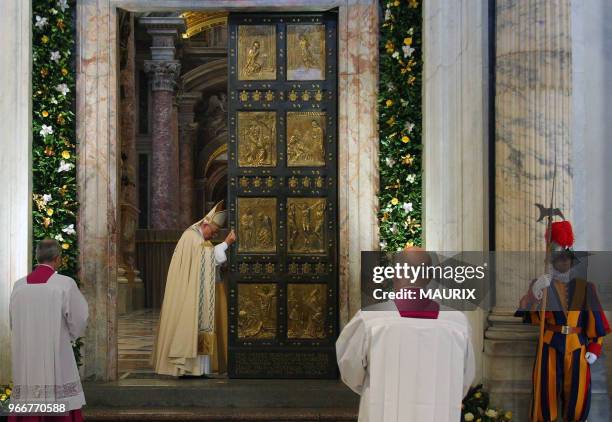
column 305, row 52
column 257, row 311
column 305, row 139
column 256, row 225
column 256, row 52
column 256, row 139
column 306, row 304
column 306, row 225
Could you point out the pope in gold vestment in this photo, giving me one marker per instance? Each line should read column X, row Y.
column 192, row 333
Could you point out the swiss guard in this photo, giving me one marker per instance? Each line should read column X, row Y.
column 573, row 329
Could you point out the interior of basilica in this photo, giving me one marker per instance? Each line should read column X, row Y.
column 173, row 130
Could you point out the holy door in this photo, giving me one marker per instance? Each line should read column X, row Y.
column 283, row 195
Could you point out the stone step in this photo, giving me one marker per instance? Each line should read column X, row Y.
column 220, row 414
column 220, row 393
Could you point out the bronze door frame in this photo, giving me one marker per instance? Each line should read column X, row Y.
column 259, row 351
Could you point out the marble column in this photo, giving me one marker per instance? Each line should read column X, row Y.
column 16, row 168
column 456, row 123
column 532, row 137
column 164, row 71
column 131, row 289
column 187, row 131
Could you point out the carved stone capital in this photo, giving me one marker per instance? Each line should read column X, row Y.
column 164, row 74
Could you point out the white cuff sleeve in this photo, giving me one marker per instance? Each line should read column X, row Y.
column 220, row 256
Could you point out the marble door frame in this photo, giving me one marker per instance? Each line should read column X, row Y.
column 98, row 151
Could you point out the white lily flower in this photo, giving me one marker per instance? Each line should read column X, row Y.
column 55, row 56
column 407, row 206
column 59, row 237
column 395, row 54
column 46, row 198
column 383, row 244
column 387, row 14
column 46, row 130
column 389, row 161
column 41, row 22
column 64, row 166
column 407, row 50
column 63, row 5
column 63, row 88
column 409, row 127
column 411, row 178
column 69, row 230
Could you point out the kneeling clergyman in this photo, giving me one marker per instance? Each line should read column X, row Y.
column 47, row 312
column 409, row 360
column 192, row 335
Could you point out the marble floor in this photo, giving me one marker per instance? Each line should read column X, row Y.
column 135, row 341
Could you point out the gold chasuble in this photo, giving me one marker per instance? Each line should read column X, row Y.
column 192, row 332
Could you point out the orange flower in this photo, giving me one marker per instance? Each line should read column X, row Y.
column 45, row 113
column 405, row 139
column 64, row 71
column 49, row 151
column 44, row 72
column 407, row 159
column 389, row 46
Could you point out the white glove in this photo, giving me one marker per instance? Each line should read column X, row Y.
column 541, row 283
column 590, row 357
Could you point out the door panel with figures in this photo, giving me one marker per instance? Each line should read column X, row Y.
column 283, row 276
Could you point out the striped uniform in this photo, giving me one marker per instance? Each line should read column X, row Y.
column 564, row 372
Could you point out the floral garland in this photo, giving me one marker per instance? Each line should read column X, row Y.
column 399, row 108
column 54, row 187
column 5, row 397
column 475, row 408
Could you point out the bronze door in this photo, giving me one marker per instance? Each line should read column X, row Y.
column 283, row 195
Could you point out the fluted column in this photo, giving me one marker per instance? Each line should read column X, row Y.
column 533, row 87
column 533, row 97
column 187, row 130
column 164, row 71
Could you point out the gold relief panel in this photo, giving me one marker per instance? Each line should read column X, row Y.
column 256, row 225
column 306, row 304
column 305, row 139
column 305, row 52
column 256, row 52
column 306, row 225
column 257, row 311
column 256, row 139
